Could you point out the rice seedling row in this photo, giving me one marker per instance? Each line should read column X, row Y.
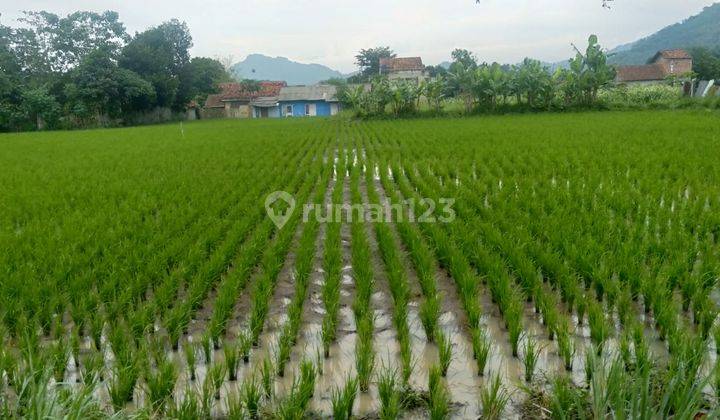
column 466, row 363
column 577, row 279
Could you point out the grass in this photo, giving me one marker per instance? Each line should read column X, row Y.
column 530, row 358
column 445, row 352
column 122, row 246
column 438, row 395
column 267, row 372
column 481, row 349
column 232, row 360
column 190, row 352
column 429, row 314
column 160, row 385
column 494, row 398
column 343, row 399
column 251, row 394
column 389, row 393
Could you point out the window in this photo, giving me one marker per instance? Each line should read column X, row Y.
column 307, row 109
column 288, row 111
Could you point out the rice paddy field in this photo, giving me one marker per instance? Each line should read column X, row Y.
column 140, row 275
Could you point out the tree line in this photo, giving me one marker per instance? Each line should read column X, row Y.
column 85, row 70
column 481, row 86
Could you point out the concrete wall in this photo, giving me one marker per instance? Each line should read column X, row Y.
column 411, row 76
column 301, row 108
column 211, row 113
column 644, row 83
column 272, row 112
column 237, row 110
column 675, row 66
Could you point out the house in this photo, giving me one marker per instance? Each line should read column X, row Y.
column 265, row 107
column 661, row 66
column 308, row 101
column 237, row 100
column 403, row 68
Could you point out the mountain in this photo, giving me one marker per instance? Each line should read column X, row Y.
column 262, row 67
column 702, row 30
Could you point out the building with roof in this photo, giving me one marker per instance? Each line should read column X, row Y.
column 237, row 100
column 410, row 69
column 308, row 101
column 265, row 107
column 661, row 66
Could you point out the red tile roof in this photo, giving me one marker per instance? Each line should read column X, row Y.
column 401, row 64
column 214, row 101
column 649, row 72
column 236, row 91
column 673, row 55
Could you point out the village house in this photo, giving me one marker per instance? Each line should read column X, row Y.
column 410, row 69
column 308, row 101
column 663, row 65
column 272, row 100
column 235, row 100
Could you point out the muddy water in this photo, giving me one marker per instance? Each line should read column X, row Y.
column 309, row 342
column 341, row 364
column 462, row 380
column 238, row 322
column 385, row 340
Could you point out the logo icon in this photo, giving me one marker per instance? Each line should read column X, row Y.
column 278, row 212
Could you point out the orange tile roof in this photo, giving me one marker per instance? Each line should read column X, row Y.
column 674, row 55
column 401, row 64
column 214, row 101
column 236, row 91
column 649, row 72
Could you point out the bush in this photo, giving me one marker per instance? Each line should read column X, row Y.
column 641, row 97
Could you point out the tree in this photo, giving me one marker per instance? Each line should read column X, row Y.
column 463, row 57
column 40, row 106
column 434, row 91
column 461, row 82
column 404, row 97
column 10, row 81
column 100, row 89
column 51, row 44
column 534, row 82
column 706, row 63
column 489, row 83
column 589, row 71
column 159, row 55
column 435, row 71
column 199, row 78
column 369, row 60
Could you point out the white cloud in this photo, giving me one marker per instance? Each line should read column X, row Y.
column 330, row 32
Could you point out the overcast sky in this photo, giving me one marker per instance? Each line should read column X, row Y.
column 330, row 32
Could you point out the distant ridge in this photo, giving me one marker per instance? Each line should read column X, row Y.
column 262, row 67
column 701, row 30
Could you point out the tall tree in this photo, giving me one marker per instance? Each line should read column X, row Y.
column 706, row 63
column 49, row 43
column 10, row 80
column 101, row 90
column 463, row 57
column 159, row 55
column 199, row 78
column 588, row 72
column 369, row 60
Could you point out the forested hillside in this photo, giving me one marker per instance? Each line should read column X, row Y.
column 702, row 30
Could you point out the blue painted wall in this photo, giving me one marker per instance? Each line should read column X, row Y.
column 322, row 108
